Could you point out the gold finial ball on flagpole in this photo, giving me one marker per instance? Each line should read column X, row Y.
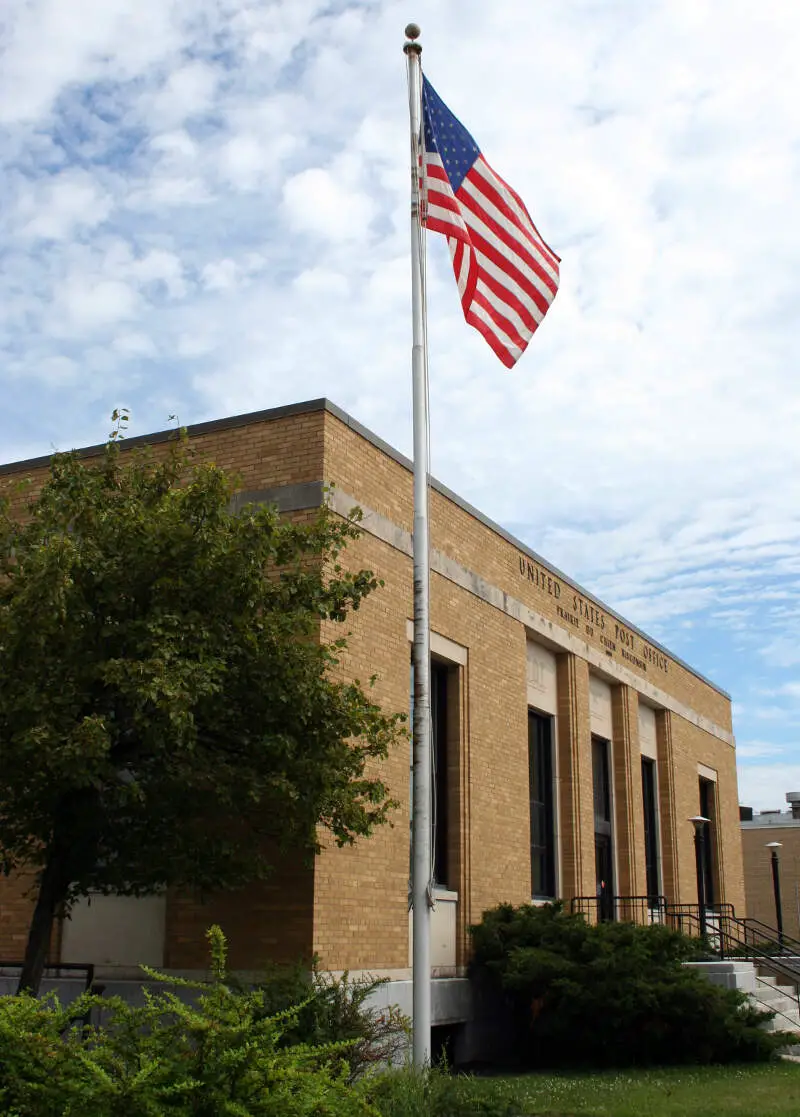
column 413, row 31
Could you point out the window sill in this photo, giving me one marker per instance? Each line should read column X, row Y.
column 444, row 894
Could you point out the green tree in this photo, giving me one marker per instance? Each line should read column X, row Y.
column 169, row 713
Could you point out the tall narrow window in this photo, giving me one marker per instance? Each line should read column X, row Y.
column 540, row 773
column 603, row 850
column 650, row 828
column 708, row 810
column 440, row 680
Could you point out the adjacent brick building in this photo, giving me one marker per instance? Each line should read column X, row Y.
column 759, row 831
column 572, row 749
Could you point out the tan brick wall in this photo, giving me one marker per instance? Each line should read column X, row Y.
column 691, row 747
column 265, row 921
column 760, row 899
column 672, row 831
column 262, row 454
column 499, row 855
column 361, row 894
column 384, row 485
column 631, row 877
column 575, row 784
column 16, row 910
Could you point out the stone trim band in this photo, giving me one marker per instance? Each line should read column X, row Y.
column 293, row 498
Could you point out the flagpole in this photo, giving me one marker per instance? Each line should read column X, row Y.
column 421, row 817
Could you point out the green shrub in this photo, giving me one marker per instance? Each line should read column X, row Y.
column 222, row 1056
column 613, row 994
column 335, row 1010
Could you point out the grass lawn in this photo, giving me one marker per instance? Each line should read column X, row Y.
column 770, row 1090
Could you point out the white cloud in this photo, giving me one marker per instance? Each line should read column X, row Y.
column 187, row 92
column 51, row 47
column 253, row 158
column 159, row 266
column 58, row 371
column 319, row 282
column 68, row 203
column 88, row 304
column 134, row 345
column 214, row 196
column 220, row 275
column 317, row 202
column 783, row 651
column 171, row 191
column 764, row 786
column 755, row 750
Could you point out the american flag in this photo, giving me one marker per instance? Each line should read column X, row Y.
column 506, row 274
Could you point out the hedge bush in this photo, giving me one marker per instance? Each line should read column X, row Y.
column 569, row 993
column 333, row 1010
column 222, row 1056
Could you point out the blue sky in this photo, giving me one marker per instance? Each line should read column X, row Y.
column 203, row 211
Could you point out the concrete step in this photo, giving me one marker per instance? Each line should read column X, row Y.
column 766, row 991
column 780, row 981
column 787, row 1010
column 782, row 1024
column 771, row 999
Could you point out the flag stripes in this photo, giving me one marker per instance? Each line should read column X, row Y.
column 507, row 276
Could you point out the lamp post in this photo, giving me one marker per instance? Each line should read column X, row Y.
column 700, row 822
column 776, row 887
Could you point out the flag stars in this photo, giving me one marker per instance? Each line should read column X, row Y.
column 446, row 136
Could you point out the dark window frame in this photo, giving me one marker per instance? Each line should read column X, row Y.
column 440, row 683
column 443, row 676
column 601, row 786
column 708, row 808
column 652, row 845
column 541, row 796
column 603, row 804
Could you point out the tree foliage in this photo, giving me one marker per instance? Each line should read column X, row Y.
column 168, row 713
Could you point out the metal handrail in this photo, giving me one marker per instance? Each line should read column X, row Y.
column 723, row 932
column 771, row 934
column 732, row 944
column 750, row 929
column 747, row 934
column 641, row 906
column 694, row 909
column 85, row 967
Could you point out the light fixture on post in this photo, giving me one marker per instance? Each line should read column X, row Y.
column 700, row 822
column 776, row 887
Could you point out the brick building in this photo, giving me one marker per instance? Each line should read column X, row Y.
column 759, row 831
column 571, row 748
